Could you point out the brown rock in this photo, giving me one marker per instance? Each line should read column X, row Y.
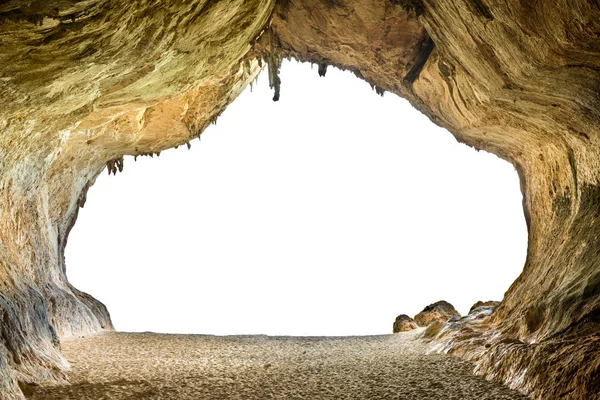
column 433, row 329
column 85, row 83
column 491, row 304
column 439, row 311
column 404, row 323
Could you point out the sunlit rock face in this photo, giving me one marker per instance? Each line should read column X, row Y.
column 83, row 83
column 439, row 311
column 404, row 323
column 488, row 304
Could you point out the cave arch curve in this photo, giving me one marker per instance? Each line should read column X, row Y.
column 262, row 209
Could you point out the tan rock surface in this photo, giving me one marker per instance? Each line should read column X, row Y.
column 439, row 311
column 404, row 323
column 491, row 304
column 84, row 83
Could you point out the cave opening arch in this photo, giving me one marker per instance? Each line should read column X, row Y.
column 424, row 219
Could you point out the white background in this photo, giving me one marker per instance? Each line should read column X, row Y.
column 329, row 212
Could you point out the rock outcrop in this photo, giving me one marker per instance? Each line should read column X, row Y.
column 404, row 323
column 488, row 304
column 85, row 83
column 439, row 311
column 434, row 329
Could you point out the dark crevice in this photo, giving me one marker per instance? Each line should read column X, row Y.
column 482, row 10
column 424, row 49
column 571, row 156
column 334, row 3
column 411, row 5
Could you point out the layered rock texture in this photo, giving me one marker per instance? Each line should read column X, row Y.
column 85, row 83
column 439, row 311
column 492, row 304
column 404, row 323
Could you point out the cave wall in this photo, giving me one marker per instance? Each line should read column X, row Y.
column 83, row 83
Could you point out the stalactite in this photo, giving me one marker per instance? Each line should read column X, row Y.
column 115, row 165
column 273, row 64
column 322, row 69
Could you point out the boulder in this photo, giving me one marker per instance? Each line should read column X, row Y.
column 404, row 323
column 439, row 311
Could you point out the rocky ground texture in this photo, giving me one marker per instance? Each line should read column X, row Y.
column 152, row 366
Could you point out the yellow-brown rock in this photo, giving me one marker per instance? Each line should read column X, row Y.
column 487, row 304
column 404, row 323
column 439, row 311
column 84, row 83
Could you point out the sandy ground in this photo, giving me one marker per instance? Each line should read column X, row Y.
column 155, row 366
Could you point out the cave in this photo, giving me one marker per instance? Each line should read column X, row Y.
column 324, row 215
column 85, row 83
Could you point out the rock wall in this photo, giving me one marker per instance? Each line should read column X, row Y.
column 83, row 83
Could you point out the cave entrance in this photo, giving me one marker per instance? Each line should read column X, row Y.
column 327, row 213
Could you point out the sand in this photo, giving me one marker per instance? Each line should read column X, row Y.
column 155, row 366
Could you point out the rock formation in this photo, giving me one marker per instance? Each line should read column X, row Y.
column 434, row 329
column 491, row 304
column 439, row 311
column 404, row 323
column 85, row 83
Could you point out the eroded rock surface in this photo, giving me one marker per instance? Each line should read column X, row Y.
column 491, row 304
column 404, row 323
column 85, row 83
column 439, row 311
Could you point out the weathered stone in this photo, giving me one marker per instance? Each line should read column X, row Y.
column 434, row 329
column 84, row 83
column 491, row 304
column 439, row 311
column 404, row 323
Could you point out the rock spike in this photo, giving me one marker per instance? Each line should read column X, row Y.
column 322, row 69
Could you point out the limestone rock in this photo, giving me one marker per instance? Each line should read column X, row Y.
column 434, row 329
column 491, row 304
column 404, row 323
column 439, row 311
column 84, row 84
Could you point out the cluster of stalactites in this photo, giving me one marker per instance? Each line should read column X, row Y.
column 115, row 165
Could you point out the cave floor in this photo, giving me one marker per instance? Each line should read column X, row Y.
column 158, row 366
